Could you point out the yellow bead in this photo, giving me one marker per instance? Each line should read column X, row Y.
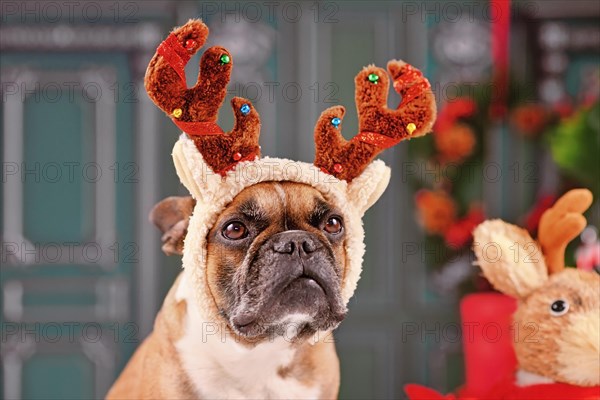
column 411, row 128
column 177, row 112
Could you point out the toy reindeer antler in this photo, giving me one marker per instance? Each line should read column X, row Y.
column 195, row 110
column 561, row 224
column 379, row 126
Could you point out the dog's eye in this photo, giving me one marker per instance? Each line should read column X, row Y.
column 559, row 307
column 235, row 231
column 333, row 225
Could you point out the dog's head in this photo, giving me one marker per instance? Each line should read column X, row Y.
column 273, row 241
column 275, row 259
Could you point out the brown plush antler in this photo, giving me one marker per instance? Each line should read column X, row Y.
column 379, row 126
column 561, row 224
column 195, row 110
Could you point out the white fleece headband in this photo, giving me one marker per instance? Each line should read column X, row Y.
column 213, row 193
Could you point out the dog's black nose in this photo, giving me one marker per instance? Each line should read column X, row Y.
column 290, row 242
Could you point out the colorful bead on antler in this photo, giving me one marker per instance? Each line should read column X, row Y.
column 379, row 126
column 195, row 110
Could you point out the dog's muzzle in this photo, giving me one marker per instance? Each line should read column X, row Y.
column 294, row 272
column 295, row 251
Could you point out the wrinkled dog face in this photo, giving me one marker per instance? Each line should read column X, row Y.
column 276, row 261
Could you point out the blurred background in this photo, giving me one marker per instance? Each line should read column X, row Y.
column 85, row 155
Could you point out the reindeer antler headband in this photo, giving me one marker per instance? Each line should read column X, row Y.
column 216, row 166
column 195, row 110
column 379, row 127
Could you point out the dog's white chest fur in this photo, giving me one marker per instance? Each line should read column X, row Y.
column 219, row 367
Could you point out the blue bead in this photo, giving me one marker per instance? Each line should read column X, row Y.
column 245, row 109
column 336, row 122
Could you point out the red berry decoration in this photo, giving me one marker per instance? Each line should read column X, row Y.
column 189, row 44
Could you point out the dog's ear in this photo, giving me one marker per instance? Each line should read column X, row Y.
column 172, row 216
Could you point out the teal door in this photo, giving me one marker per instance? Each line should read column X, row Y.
column 76, row 190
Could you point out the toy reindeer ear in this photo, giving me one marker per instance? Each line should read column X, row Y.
column 509, row 258
column 365, row 189
column 183, row 171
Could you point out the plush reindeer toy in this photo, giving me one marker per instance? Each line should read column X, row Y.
column 562, row 356
column 557, row 321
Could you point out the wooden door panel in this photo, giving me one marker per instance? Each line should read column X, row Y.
column 59, row 203
column 66, row 283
